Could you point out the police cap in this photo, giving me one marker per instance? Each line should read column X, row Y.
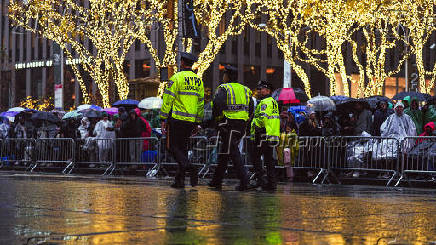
column 230, row 69
column 188, row 57
column 265, row 84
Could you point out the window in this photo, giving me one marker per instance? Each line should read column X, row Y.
column 258, row 47
column 269, row 46
column 142, row 68
column 247, row 42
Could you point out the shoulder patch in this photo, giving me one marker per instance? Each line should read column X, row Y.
column 263, row 107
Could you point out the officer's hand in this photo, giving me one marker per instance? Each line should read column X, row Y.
column 163, row 127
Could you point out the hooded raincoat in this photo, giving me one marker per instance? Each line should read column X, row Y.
column 415, row 115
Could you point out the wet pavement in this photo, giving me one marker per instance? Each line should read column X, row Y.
column 49, row 209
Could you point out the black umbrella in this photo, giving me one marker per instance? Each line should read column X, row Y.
column 91, row 114
column 417, row 95
column 45, row 116
column 340, row 99
column 431, row 100
column 374, row 100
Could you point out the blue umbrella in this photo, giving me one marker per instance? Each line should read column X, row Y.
column 126, row 103
column 297, row 109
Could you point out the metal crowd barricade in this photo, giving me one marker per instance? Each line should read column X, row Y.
column 92, row 152
column 312, row 155
column 137, row 151
column 380, row 154
column 197, row 150
column 418, row 157
column 56, row 151
column 198, row 153
column 17, row 152
column 212, row 147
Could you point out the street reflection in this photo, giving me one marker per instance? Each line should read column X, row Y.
column 103, row 212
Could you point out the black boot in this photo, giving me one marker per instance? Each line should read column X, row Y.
column 178, row 185
column 179, row 181
column 194, row 178
column 215, row 184
column 269, row 187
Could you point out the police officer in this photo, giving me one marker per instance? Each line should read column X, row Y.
column 265, row 129
column 182, row 110
column 231, row 106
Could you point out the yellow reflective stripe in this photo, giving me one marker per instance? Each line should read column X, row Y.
column 184, row 114
column 246, row 96
column 163, row 114
column 229, row 98
column 170, row 93
column 233, row 94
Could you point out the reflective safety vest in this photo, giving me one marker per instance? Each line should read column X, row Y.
column 238, row 101
column 267, row 117
column 184, row 98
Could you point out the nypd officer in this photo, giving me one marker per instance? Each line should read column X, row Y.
column 231, row 106
column 265, row 131
column 182, row 110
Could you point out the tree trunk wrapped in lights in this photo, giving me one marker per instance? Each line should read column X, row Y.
column 283, row 28
column 161, row 9
column 109, row 25
column 220, row 20
column 336, row 22
column 421, row 26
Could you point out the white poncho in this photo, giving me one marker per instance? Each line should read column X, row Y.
column 398, row 127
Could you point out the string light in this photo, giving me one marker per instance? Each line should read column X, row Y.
column 43, row 104
column 220, row 19
column 112, row 26
column 336, row 22
column 109, row 25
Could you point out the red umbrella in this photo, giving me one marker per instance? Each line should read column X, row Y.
column 287, row 96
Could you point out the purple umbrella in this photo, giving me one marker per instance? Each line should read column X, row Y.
column 111, row 111
column 9, row 113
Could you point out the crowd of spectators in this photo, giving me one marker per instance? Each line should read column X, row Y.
column 403, row 119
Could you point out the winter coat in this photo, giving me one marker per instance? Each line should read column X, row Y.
column 379, row 117
column 363, row 123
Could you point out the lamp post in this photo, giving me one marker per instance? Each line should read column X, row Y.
column 287, row 68
column 406, row 62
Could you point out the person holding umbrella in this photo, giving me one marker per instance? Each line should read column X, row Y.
column 231, row 109
column 182, row 110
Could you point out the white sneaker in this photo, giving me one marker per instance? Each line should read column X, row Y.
column 356, row 174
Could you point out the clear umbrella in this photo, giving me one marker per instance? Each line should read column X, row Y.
column 89, row 107
column 321, row 103
column 19, row 109
column 150, row 103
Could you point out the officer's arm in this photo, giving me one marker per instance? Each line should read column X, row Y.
column 250, row 107
column 219, row 103
column 168, row 98
column 200, row 109
column 263, row 116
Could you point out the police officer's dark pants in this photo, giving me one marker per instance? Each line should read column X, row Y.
column 265, row 149
column 230, row 134
column 178, row 135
